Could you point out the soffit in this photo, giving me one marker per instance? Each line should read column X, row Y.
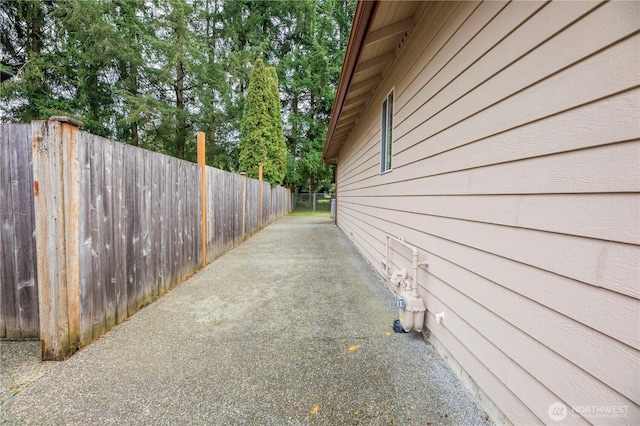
column 378, row 34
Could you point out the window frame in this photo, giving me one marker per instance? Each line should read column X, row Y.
column 386, row 133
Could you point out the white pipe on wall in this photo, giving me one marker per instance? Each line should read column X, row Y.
column 413, row 308
column 414, row 263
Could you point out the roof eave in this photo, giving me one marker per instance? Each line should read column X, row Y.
column 363, row 16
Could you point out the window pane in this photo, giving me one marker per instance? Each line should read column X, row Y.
column 389, row 129
column 386, row 134
column 383, row 134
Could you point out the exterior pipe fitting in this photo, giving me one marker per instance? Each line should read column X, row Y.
column 413, row 307
column 398, row 276
column 414, row 262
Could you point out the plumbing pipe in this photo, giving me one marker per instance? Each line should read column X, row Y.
column 414, row 263
column 412, row 309
column 398, row 276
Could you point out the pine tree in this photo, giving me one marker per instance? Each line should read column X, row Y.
column 261, row 136
column 279, row 153
column 24, row 35
column 153, row 72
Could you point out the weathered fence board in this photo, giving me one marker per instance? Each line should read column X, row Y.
column 139, row 229
column 9, row 320
column 22, row 198
column 253, row 206
column 84, row 223
column 18, row 283
column 56, row 177
column 156, row 226
column 116, row 226
column 119, row 225
column 225, row 205
column 135, row 293
column 266, row 203
column 98, row 242
column 107, row 227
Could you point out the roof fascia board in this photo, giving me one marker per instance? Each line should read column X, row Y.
column 365, row 11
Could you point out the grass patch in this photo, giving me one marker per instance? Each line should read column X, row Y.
column 300, row 213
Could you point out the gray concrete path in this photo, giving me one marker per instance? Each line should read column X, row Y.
column 290, row 328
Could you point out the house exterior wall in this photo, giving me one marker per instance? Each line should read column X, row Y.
column 516, row 172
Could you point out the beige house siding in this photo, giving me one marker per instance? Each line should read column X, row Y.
column 516, row 171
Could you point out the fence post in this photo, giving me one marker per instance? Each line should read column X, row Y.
column 56, row 195
column 261, row 189
column 203, row 194
column 244, row 202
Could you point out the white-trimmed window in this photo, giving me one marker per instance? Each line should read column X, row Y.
column 386, row 140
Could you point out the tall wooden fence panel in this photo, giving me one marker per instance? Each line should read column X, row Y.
column 232, row 219
column 139, row 229
column 281, row 200
column 224, row 211
column 253, row 206
column 18, row 283
column 116, row 227
column 110, row 227
column 266, row 203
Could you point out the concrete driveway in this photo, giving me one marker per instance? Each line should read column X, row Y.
column 292, row 327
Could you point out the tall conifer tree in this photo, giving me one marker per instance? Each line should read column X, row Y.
column 261, row 135
column 153, row 72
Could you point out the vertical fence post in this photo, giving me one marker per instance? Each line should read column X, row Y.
column 244, row 203
column 261, row 189
column 56, row 195
column 203, row 194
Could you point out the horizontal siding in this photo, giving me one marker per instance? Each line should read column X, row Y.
column 545, row 212
column 494, row 288
column 512, row 406
column 515, row 172
column 605, row 264
column 603, row 122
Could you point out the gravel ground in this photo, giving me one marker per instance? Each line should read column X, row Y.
column 293, row 327
column 20, row 365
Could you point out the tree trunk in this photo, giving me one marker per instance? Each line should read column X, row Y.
column 181, row 130
column 312, row 184
column 35, row 15
column 135, row 137
column 35, row 34
column 94, row 103
column 295, row 137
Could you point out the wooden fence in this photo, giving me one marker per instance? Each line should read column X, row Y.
column 18, row 284
column 233, row 203
column 117, row 226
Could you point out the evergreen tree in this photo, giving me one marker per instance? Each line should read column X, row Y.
column 87, row 42
column 131, row 30
column 261, row 136
column 279, row 154
column 24, row 40
column 154, row 72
